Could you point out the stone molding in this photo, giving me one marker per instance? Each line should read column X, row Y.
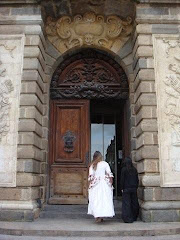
column 90, row 30
column 167, row 78
column 11, row 63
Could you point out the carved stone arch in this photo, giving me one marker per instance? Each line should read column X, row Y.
column 89, row 74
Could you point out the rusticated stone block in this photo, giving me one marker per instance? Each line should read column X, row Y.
column 144, row 87
column 145, row 194
column 160, row 216
column 19, row 215
column 148, row 166
column 144, row 51
column 148, row 99
column 29, row 138
column 145, row 152
column 30, row 125
column 31, row 100
column 165, row 28
column 20, row 194
column 150, row 180
column 146, row 125
column 147, row 138
column 144, row 40
column 30, row 152
column 145, row 215
column 28, row 180
column 144, row 28
column 167, row 194
column 31, row 10
column 28, row 166
column 146, row 112
column 30, row 112
column 32, row 40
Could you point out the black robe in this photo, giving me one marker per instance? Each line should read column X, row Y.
column 129, row 184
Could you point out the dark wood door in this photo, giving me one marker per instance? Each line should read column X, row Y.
column 69, row 151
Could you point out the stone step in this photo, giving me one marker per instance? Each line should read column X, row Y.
column 70, row 212
column 55, row 215
column 87, row 228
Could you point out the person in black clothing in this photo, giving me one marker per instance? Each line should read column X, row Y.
column 128, row 185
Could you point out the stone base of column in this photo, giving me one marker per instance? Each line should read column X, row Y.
column 165, row 211
column 19, row 211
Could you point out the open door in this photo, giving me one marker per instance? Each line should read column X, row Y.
column 69, row 151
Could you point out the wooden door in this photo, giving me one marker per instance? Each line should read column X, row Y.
column 69, row 151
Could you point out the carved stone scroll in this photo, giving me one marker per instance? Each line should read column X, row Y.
column 167, row 72
column 93, row 30
column 11, row 62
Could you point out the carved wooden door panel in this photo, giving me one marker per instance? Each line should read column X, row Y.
column 69, row 151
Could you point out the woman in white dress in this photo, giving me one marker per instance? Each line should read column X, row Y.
column 100, row 189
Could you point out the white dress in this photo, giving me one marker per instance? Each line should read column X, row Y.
column 100, row 191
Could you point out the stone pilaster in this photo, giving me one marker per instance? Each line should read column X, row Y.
column 154, row 196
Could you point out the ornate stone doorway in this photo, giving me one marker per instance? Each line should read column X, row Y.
column 77, row 83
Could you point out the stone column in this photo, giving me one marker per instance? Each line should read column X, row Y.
column 23, row 121
column 159, row 201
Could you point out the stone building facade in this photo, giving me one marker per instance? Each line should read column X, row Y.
column 37, row 36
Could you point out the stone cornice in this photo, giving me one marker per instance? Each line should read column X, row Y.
column 159, row 1
column 19, row 2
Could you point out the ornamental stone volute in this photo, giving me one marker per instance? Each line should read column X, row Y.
column 96, row 30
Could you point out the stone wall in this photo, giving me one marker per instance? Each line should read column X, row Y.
column 158, row 203
column 22, row 201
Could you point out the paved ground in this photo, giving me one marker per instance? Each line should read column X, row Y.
column 172, row 237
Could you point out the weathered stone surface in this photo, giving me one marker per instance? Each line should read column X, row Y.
column 145, row 194
column 168, row 194
column 11, row 55
column 150, row 180
column 147, row 138
column 31, row 100
column 21, row 194
column 160, row 205
column 148, row 99
column 144, row 40
column 28, row 180
column 165, row 29
column 29, row 138
column 148, row 166
column 146, row 112
column 30, row 125
column 146, row 125
column 28, row 166
column 29, row 152
column 166, row 52
column 144, row 28
column 26, row 10
column 144, row 87
column 147, row 152
column 30, row 112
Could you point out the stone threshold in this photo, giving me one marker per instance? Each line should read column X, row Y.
column 87, row 228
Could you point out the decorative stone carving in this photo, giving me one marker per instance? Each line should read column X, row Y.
column 5, row 88
column 89, row 75
column 11, row 62
column 96, row 30
column 167, row 70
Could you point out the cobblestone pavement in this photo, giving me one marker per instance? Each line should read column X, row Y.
column 170, row 237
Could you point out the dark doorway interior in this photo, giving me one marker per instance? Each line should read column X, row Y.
column 106, row 119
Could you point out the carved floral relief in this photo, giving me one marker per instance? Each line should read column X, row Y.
column 167, row 72
column 6, row 87
column 108, row 32
column 11, row 65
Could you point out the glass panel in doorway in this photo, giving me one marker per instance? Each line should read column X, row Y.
column 103, row 138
